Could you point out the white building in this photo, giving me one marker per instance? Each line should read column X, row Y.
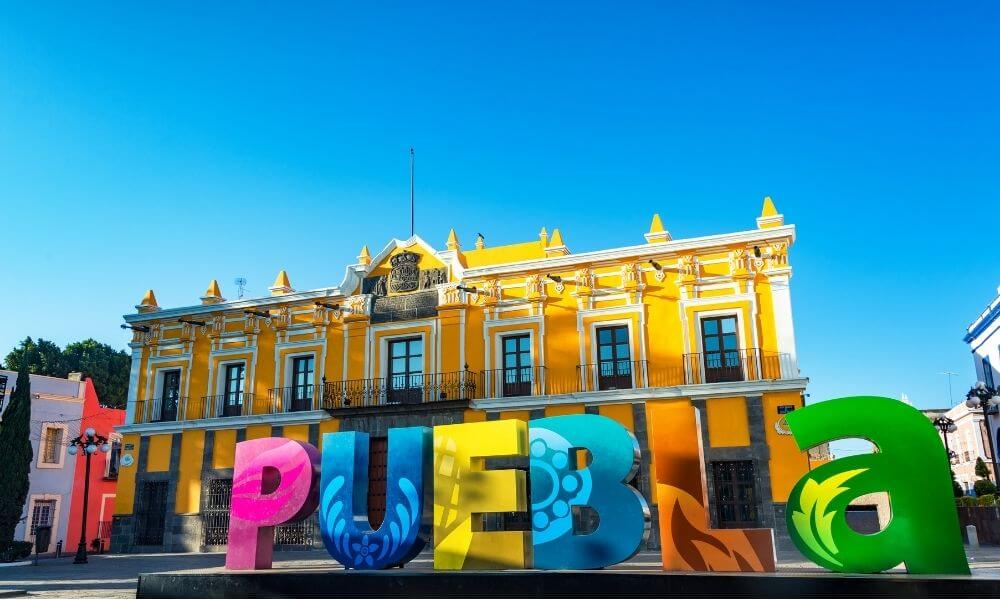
column 967, row 443
column 983, row 337
column 56, row 412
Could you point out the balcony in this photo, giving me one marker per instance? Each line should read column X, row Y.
column 227, row 405
column 711, row 368
column 513, row 381
column 160, row 410
column 749, row 364
column 294, row 398
column 421, row 388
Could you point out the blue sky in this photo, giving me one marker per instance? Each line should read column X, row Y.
column 165, row 146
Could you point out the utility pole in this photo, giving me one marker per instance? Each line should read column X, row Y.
column 949, row 375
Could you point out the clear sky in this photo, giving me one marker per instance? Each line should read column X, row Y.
column 163, row 146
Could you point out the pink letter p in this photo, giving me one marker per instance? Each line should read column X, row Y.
column 275, row 481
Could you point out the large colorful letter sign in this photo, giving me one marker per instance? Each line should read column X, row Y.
column 558, row 483
column 463, row 490
column 274, row 482
column 686, row 539
column 910, row 466
column 347, row 534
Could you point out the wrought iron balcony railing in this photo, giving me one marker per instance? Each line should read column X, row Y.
column 513, row 381
column 416, row 388
column 158, row 410
column 227, row 405
column 612, row 375
column 749, row 364
column 295, row 398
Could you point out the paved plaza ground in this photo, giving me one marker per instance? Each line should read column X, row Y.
column 116, row 575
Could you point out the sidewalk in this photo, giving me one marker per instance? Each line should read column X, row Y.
column 116, row 575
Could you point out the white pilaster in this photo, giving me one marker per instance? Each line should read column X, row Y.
column 781, row 297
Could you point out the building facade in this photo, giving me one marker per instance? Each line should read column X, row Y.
column 967, row 443
column 56, row 410
column 983, row 338
column 103, row 475
column 422, row 336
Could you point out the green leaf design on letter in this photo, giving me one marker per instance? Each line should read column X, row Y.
column 813, row 522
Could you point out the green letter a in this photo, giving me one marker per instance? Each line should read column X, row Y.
column 909, row 465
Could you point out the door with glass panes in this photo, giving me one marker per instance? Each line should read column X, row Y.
column 232, row 399
column 516, row 375
column 302, row 383
column 404, row 384
column 614, row 360
column 720, row 343
column 170, row 395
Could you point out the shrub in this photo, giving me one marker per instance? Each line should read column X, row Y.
column 15, row 551
column 984, row 487
column 987, row 500
column 965, row 501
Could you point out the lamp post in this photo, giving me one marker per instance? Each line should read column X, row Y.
column 945, row 425
column 987, row 398
column 90, row 442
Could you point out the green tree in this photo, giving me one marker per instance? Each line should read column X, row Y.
column 984, row 487
column 981, row 469
column 15, row 448
column 39, row 358
column 109, row 368
column 955, row 487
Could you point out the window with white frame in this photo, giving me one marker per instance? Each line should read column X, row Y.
column 42, row 514
column 51, row 450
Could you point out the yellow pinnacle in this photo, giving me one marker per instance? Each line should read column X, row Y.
column 768, row 210
column 657, row 232
column 213, row 295
column 657, row 225
column 769, row 215
column 365, row 258
column 213, row 289
column 148, row 303
column 543, row 235
column 452, row 243
column 281, row 284
column 556, row 238
column 149, row 299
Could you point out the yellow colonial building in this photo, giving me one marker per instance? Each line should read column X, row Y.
column 418, row 335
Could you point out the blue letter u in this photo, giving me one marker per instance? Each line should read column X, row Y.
column 343, row 517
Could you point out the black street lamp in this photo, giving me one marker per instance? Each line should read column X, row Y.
column 946, row 426
column 985, row 397
column 90, row 442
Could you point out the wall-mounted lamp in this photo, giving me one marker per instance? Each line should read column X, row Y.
column 192, row 322
column 756, row 251
column 554, row 278
column 257, row 313
column 656, row 265
column 467, row 289
column 325, row 305
column 141, row 328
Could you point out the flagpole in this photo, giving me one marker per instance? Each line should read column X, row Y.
column 411, row 192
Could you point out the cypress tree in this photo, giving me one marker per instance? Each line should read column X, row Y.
column 15, row 457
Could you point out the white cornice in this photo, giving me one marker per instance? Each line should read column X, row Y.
column 638, row 251
column 303, row 417
column 354, row 273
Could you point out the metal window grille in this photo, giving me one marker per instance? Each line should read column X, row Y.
column 42, row 514
column 215, row 516
column 735, row 494
column 152, row 513
column 215, row 520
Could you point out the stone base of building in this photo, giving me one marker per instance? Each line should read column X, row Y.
column 397, row 583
